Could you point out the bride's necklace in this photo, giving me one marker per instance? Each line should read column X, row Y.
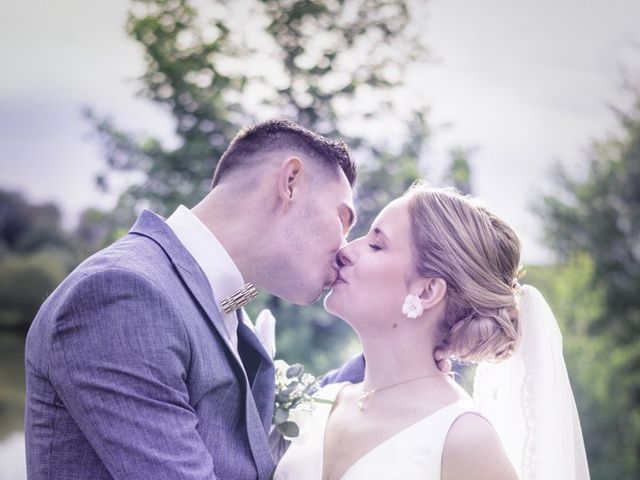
column 363, row 398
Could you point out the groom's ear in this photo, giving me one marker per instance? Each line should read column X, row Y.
column 289, row 178
column 432, row 291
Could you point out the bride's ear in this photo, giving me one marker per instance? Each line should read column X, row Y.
column 432, row 291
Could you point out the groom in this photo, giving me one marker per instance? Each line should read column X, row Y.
column 140, row 365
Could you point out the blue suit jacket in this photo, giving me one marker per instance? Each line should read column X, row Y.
column 128, row 376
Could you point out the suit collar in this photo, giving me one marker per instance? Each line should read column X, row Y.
column 214, row 260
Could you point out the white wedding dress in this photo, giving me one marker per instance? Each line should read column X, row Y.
column 411, row 454
column 527, row 398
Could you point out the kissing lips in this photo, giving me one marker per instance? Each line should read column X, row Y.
column 339, row 279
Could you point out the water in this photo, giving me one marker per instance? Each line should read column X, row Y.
column 12, row 394
column 12, row 461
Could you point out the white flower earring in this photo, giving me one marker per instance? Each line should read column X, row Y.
column 412, row 306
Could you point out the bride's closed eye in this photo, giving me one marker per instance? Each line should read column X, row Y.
column 375, row 247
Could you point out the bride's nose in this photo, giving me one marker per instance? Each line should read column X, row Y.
column 344, row 257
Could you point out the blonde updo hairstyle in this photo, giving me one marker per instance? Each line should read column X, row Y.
column 478, row 256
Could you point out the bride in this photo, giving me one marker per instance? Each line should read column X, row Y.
column 439, row 271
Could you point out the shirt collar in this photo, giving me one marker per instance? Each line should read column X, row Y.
column 219, row 268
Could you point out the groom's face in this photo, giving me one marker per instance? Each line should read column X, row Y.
column 313, row 236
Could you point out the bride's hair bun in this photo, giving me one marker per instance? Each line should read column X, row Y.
column 478, row 255
column 483, row 336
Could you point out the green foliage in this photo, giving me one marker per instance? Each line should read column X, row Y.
column 96, row 229
column 593, row 221
column 458, row 174
column 600, row 214
column 386, row 174
column 318, row 59
column 35, row 255
column 25, row 281
column 334, row 67
column 334, row 52
column 309, row 334
column 293, row 392
column 183, row 76
column 597, row 365
column 12, row 383
column 27, row 228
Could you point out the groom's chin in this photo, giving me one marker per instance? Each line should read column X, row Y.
column 304, row 298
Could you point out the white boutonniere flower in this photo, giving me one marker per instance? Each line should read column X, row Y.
column 266, row 330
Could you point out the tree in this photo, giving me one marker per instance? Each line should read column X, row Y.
column 458, row 174
column 335, row 67
column 599, row 213
column 25, row 281
column 596, row 216
column 597, row 367
column 96, row 229
column 25, row 227
column 321, row 58
column 35, row 255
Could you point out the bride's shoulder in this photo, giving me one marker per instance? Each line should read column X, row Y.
column 473, row 450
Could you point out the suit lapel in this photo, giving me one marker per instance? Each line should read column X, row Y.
column 248, row 354
column 260, row 371
column 154, row 227
column 251, row 350
column 259, row 391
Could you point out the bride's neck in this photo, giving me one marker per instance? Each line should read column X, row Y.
column 397, row 356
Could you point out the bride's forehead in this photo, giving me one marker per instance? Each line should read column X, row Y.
column 393, row 217
column 396, row 209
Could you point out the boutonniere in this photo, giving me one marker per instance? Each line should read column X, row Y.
column 266, row 330
column 294, row 402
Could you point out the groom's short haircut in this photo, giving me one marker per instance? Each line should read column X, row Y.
column 248, row 147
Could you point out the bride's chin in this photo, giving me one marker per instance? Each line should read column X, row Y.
column 332, row 304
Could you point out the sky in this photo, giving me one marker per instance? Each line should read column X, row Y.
column 524, row 84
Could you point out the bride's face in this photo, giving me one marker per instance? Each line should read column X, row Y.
column 375, row 272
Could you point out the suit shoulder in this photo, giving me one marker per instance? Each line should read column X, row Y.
column 133, row 252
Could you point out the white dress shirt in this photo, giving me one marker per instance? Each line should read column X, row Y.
column 222, row 273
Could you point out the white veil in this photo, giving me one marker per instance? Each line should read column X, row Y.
column 529, row 401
